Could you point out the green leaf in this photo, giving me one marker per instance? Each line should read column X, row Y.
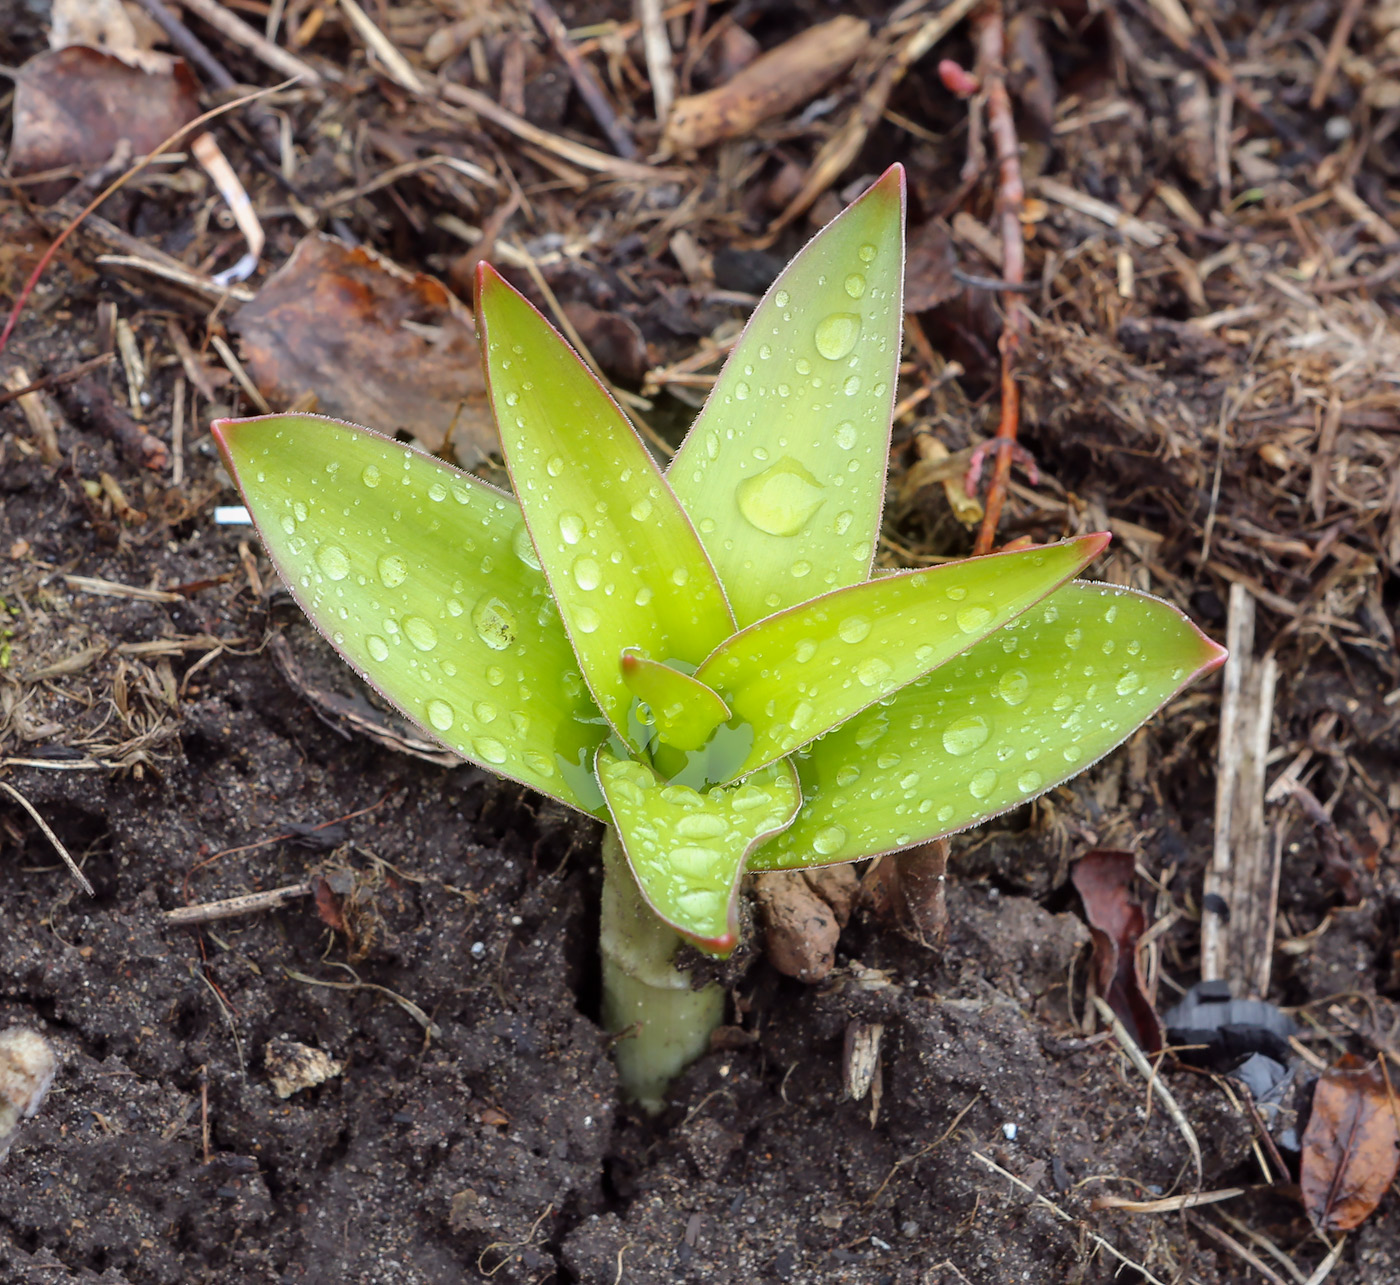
column 424, row 579
column 783, row 472
column 1007, row 720
column 624, row 564
column 684, row 712
column 796, row 675
column 686, row 849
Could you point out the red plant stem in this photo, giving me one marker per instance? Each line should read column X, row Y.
column 990, row 34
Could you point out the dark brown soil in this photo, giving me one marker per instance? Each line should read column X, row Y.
column 476, row 1131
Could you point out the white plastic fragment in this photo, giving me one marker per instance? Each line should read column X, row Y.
column 27, row 1066
column 231, row 515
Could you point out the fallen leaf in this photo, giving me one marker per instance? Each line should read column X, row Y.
column 1115, row 923
column 377, row 345
column 74, row 106
column 1351, row 1147
column 928, row 271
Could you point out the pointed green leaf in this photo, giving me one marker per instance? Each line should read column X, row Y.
column 424, row 579
column 809, row 669
column 686, row 849
column 1015, row 715
column 683, row 711
column 783, row 471
column 623, row 562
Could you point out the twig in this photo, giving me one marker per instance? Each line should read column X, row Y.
column 1059, row 1213
column 50, row 836
column 1336, row 46
column 250, row 903
column 1139, row 1059
column 657, row 47
column 1224, row 1238
column 58, row 380
column 408, row 1006
column 584, row 80
column 395, row 64
column 990, row 35
column 228, row 24
column 1169, row 1204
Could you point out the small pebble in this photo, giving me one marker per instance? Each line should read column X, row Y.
column 1008, row 1131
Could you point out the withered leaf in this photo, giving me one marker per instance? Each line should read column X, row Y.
column 377, row 345
column 1351, row 1147
column 1115, row 923
column 73, row 106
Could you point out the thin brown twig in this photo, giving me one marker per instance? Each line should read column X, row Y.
column 584, row 80
column 57, row 380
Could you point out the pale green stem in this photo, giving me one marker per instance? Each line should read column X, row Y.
column 643, row 988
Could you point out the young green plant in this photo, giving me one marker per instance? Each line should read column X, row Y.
column 705, row 658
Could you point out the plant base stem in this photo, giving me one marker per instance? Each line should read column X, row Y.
column 643, row 989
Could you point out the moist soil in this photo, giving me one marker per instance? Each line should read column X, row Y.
column 187, row 737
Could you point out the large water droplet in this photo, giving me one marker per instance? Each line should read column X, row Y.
column 966, row 734
column 1028, row 781
column 333, row 561
column 371, row 477
column 1014, row 686
column 741, row 391
column 489, row 749
column 421, row 633
column 801, row 715
column 852, row 385
column 643, row 596
column 836, row 335
column 437, row 492
column 848, row 775
column 828, row 840
column 441, row 715
column 971, row 619
column 867, row 253
column 570, row 528
column 485, row 712
column 378, row 648
column 781, row 499
column 587, row 573
column 641, row 510
column 872, row 670
column 494, row 623
column 855, row 285
column 854, row 629
column 586, row 620
column 701, row 825
column 806, row 649
column 393, row 570
column 846, row 435
column 983, row 783
column 1127, row 683
column 555, row 465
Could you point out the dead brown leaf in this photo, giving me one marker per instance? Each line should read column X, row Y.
column 74, row 106
column 379, row 346
column 1102, row 878
column 1351, row 1147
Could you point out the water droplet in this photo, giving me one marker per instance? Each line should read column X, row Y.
column 289, row 524
column 855, row 285
column 393, row 570
column 587, row 573
column 485, row 712
column 1014, row 686
column 801, row 715
column 494, row 623
column 1073, row 639
column 539, row 764
column 371, row 477
column 570, row 528
column 971, row 619
column 872, row 670
column 945, row 814
column 712, row 445
column 524, row 550
column 680, row 576
column 378, row 648
column 801, row 568
column 489, row 750
column 781, row 298
column 852, row 385
column 1028, row 782
column 1128, row 683
column 846, row 435
column 421, row 633
column 854, row 629
column 867, row 253
column 333, row 561
column 781, row 499
column 836, row 335
column 461, row 494
column 643, row 596
column 747, row 798
column 512, row 399
column 441, row 715
column 843, row 522
column 741, row 391
column 495, row 675
column 641, row 511
column 966, row 734
column 701, row 825
column 957, row 593
column 983, row 783
column 555, row 465
column 437, row 493
column 828, row 840
column 586, row 620
column 806, row 649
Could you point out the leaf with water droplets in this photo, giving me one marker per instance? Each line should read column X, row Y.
column 687, row 849
column 623, row 562
column 414, row 572
column 783, row 472
column 1013, row 716
column 680, row 711
column 798, row 674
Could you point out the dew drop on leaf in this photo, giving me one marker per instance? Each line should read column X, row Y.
column 437, row 493
column 679, row 576
column 806, row 649
column 701, row 825
column 421, row 633
column 1127, row 683
column 494, row 623
column 741, row 391
column 643, row 596
column 1028, row 781
column 1073, row 639
column 587, row 620
column 440, row 715
column 641, row 510
column 782, row 298
column 781, row 499
column 828, row 840
column 966, row 734
column 378, row 648
column 570, row 528
column 852, row 385
column 371, row 477
column 867, row 253
column 485, row 712
column 983, row 783
column 854, row 629
column 555, row 465
column 848, row 775
column 945, row 814
column 836, row 335
column 524, row 549
column 332, row 560
column 971, row 619
column 872, row 670
column 393, row 570
column 1014, row 686
column 587, row 573
column 489, row 749
column 855, row 285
